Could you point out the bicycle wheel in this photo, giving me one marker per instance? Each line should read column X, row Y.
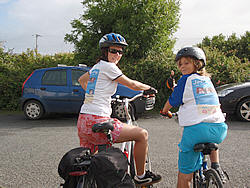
column 213, row 179
column 196, row 180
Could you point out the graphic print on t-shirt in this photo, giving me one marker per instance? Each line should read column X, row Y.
column 90, row 91
column 205, row 96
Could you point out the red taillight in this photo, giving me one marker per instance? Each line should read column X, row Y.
column 77, row 173
column 126, row 153
column 26, row 81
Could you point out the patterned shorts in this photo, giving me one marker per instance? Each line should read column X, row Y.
column 88, row 138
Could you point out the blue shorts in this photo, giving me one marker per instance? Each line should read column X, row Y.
column 190, row 161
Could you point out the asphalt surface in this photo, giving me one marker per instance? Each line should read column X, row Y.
column 31, row 150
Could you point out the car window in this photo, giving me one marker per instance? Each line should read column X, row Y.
column 55, row 77
column 75, row 76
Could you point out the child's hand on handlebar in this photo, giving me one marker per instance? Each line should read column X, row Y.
column 167, row 114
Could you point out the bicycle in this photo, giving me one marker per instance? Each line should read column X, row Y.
column 204, row 177
column 127, row 147
column 83, row 162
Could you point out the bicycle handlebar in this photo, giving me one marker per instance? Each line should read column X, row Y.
column 166, row 114
column 150, row 91
column 131, row 99
column 126, row 102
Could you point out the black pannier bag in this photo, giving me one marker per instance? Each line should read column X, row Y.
column 66, row 165
column 109, row 169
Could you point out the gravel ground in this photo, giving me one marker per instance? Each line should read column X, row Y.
column 31, row 150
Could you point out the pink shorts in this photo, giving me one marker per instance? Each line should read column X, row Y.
column 88, row 138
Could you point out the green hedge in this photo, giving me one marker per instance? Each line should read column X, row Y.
column 154, row 70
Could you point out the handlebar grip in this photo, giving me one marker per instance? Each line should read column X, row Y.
column 166, row 114
column 150, row 91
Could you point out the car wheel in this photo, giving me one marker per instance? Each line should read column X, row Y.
column 119, row 113
column 33, row 110
column 243, row 110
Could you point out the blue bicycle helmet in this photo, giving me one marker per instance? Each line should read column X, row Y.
column 194, row 52
column 112, row 39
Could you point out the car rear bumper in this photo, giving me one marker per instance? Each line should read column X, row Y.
column 228, row 106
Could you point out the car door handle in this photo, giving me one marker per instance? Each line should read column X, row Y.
column 75, row 90
column 43, row 88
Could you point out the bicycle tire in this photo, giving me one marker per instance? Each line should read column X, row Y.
column 198, row 182
column 213, row 179
column 195, row 180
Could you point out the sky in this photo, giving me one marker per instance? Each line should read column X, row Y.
column 22, row 20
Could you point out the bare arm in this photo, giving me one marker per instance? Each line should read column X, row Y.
column 83, row 80
column 132, row 84
column 166, row 107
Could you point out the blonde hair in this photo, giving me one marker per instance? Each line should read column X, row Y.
column 198, row 64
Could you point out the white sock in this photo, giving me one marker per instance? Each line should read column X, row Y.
column 141, row 176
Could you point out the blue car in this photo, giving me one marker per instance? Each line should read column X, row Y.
column 57, row 90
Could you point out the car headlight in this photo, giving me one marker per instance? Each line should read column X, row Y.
column 225, row 92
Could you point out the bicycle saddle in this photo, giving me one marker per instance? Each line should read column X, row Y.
column 103, row 126
column 205, row 148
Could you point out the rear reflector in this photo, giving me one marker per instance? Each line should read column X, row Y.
column 77, row 173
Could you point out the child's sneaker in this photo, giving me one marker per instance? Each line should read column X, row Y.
column 149, row 179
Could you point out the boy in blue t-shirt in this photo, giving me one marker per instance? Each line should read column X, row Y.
column 199, row 114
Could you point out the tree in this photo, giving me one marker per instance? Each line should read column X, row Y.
column 147, row 25
column 225, row 69
column 231, row 46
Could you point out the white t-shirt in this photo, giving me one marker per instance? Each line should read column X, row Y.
column 197, row 99
column 101, row 86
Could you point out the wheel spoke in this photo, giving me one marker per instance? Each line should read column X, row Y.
column 245, row 106
column 247, row 116
column 244, row 110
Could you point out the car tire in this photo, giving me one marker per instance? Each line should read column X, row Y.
column 33, row 110
column 118, row 111
column 243, row 110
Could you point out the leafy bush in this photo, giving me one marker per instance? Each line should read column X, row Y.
column 153, row 70
column 225, row 69
column 230, row 46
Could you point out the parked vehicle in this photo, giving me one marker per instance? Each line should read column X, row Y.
column 235, row 98
column 57, row 90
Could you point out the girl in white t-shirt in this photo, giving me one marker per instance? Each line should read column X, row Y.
column 199, row 114
column 100, row 84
